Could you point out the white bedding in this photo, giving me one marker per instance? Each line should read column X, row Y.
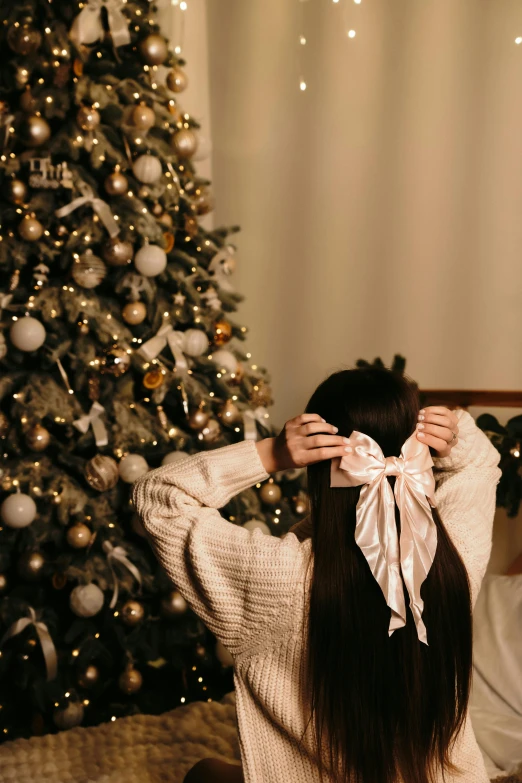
column 496, row 701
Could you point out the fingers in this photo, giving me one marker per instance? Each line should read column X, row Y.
column 304, row 418
column 436, row 443
column 312, row 427
column 441, row 432
column 439, row 415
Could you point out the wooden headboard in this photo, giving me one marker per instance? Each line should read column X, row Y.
column 464, row 398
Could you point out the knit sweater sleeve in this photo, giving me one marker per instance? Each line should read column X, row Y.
column 466, row 483
column 231, row 577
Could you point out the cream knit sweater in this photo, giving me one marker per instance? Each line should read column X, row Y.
column 250, row 588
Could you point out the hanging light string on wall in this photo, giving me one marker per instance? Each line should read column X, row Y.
column 179, row 24
column 302, row 40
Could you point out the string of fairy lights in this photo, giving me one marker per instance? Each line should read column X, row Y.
column 346, row 6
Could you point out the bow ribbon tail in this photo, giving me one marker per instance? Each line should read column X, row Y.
column 418, row 545
column 377, row 538
column 93, row 419
column 44, row 637
column 101, row 208
column 175, row 341
column 250, row 417
column 249, row 425
column 64, row 376
column 119, row 555
column 118, row 24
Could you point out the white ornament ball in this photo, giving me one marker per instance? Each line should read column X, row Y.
column 86, row 600
column 174, row 456
column 223, row 655
column 68, row 717
column 195, row 342
column 18, row 510
column 225, row 360
column 252, row 524
column 132, row 467
column 147, row 169
column 150, row 260
column 27, row 334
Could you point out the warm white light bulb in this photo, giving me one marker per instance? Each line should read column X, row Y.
column 351, row 33
column 518, row 40
column 302, row 40
column 183, row 5
column 357, row 2
column 302, row 85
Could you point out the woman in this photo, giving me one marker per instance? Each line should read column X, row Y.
column 336, row 677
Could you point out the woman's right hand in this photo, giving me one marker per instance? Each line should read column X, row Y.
column 438, row 427
column 305, row 439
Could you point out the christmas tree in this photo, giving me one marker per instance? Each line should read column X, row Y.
column 118, row 354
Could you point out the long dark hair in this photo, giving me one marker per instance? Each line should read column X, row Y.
column 382, row 708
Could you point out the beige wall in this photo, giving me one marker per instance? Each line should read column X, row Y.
column 381, row 209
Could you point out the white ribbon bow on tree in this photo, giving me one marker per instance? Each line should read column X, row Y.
column 48, row 648
column 117, row 554
column 249, row 421
column 221, row 268
column 87, row 27
column 92, row 419
column 166, row 335
column 101, row 208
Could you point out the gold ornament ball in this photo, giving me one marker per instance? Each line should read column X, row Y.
column 222, row 332
column 166, row 220
column 79, row 536
column 117, row 252
column 198, row 419
column 88, row 118
column 130, row 681
column 157, row 209
column 16, row 191
column 101, row 473
column 37, row 438
column 153, row 49
column 143, row 192
column 24, row 38
column 203, row 200
column 27, row 100
column 173, row 604
column 132, row 613
column 88, row 270
column 191, row 226
column 30, row 229
column 4, row 424
column 36, row 131
column 270, row 493
column 116, row 184
column 30, row 566
column 69, row 716
column 229, row 413
column 143, row 117
column 89, row 676
column 116, row 361
column 134, row 313
column 3, row 583
column 177, row 80
column 212, row 431
column 184, row 143
column 302, row 505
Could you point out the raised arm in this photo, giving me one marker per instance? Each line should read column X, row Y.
column 233, row 578
column 465, row 496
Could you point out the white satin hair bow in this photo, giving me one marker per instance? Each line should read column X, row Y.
column 376, row 529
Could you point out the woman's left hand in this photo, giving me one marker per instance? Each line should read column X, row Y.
column 438, row 428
